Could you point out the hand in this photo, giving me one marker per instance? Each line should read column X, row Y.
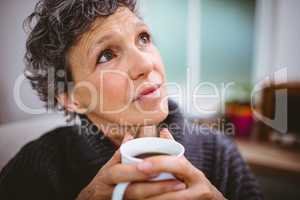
column 112, row 173
column 198, row 186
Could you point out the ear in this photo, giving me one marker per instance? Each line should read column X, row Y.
column 69, row 104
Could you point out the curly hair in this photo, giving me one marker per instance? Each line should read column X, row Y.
column 54, row 26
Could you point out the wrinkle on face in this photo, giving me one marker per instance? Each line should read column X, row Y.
column 113, row 89
column 121, row 24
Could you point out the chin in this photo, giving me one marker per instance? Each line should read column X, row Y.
column 153, row 119
column 154, row 114
column 136, row 117
column 133, row 116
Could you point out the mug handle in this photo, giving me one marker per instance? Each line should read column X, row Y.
column 119, row 191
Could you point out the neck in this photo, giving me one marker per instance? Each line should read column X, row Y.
column 116, row 132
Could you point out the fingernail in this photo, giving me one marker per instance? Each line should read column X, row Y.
column 179, row 186
column 163, row 133
column 164, row 130
column 127, row 137
column 153, row 175
column 144, row 166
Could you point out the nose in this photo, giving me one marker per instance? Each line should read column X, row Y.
column 141, row 64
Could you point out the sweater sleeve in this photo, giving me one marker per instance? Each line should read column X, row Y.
column 22, row 178
column 241, row 184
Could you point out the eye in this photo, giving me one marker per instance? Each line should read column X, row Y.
column 106, row 56
column 144, row 38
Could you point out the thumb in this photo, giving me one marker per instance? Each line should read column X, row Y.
column 127, row 137
column 115, row 159
column 165, row 133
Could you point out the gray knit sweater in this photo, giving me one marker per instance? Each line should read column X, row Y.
column 58, row 165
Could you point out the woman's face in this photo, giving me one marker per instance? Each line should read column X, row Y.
column 118, row 72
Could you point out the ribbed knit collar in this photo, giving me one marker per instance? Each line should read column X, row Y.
column 91, row 148
column 95, row 137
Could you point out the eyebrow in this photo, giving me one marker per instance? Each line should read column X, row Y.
column 112, row 35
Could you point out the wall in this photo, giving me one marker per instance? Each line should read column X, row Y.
column 227, row 34
column 277, row 41
column 288, row 37
column 171, row 42
column 167, row 20
column 12, row 42
column 277, row 44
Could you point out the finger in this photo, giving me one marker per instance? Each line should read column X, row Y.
column 179, row 195
column 125, row 173
column 115, row 159
column 178, row 166
column 126, row 138
column 165, row 133
column 147, row 189
column 196, row 192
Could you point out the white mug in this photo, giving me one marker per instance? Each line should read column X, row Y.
column 143, row 145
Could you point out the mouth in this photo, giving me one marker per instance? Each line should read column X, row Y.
column 149, row 92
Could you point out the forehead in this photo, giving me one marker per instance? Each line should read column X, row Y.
column 121, row 21
column 122, row 17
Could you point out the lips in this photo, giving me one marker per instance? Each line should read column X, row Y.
column 147, row 91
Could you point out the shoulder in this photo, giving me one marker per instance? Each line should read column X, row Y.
column 48, row 145
column 207, row 138
column 33, row 169
column 219, row 158
column 36, row 161
column 207, row 148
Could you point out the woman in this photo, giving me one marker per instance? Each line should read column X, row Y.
column 98, row 60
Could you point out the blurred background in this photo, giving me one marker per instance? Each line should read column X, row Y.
column 240, row 57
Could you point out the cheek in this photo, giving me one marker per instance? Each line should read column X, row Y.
column 84, row 92
column 114, row 88
column 159, row 63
